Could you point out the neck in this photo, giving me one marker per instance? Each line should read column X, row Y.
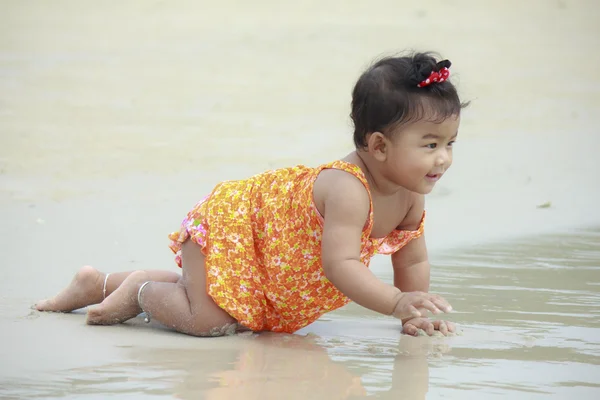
column 378, row 183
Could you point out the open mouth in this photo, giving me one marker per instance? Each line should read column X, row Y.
column 433, row 177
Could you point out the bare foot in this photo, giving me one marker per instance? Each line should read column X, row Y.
column 121, row 305
column 85, row 289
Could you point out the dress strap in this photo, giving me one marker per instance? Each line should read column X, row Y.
column 351, row 169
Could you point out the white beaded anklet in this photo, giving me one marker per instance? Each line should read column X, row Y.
column 104, row 287
column 147, row 319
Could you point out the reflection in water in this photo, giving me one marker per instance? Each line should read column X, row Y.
column 265, row 366
column 529, row 313
column 270, row 366
column 278, row 366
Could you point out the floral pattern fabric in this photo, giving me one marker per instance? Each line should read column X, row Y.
column 262, row 241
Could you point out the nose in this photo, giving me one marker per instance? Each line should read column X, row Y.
column 443, row 158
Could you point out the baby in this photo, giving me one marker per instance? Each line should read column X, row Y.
column 276, row 251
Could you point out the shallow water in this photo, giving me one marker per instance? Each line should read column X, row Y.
column 529, row 320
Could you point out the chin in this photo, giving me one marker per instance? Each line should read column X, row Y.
column 423, row 189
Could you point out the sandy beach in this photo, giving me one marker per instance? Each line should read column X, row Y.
column 116, row 117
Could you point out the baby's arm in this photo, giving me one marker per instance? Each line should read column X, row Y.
column 411, row 264
column 346, row 209
column 412, row 272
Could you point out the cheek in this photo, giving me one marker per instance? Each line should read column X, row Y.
column 450, row 158
column 406, row 160
column 414, row 164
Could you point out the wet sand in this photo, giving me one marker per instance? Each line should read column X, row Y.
column 116, row 117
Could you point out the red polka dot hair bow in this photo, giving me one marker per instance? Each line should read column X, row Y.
column 439, row 76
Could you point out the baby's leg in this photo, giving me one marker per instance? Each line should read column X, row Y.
column 184, row 306
column 87, row 288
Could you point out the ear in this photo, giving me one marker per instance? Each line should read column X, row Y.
column 378, row 146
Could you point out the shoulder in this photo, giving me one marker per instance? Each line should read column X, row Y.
column 338, row 189
column 414, row 216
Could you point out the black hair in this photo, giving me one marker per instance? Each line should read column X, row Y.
column 387, row 96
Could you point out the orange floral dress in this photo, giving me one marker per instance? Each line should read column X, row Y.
column 262, row 241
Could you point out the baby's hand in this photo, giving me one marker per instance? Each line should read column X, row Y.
column 412, row 326
column 411, row 304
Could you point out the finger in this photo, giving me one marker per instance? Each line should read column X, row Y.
column 428, row 305
column 451, row 327
column 414, row 312
column 428, row 327
column 425, row 324
column 423, row 318
column 441, row 303
column 443, row 328
column 410, row 329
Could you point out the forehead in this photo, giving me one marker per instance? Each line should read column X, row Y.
column 447, row 127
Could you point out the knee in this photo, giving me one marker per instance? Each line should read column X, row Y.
column 202, row 330
column 139, row 276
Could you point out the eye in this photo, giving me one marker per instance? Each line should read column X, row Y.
column 450, row 144
column 431, row 145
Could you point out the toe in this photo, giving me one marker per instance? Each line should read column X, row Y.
column 94, row 316
column 42, row 305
